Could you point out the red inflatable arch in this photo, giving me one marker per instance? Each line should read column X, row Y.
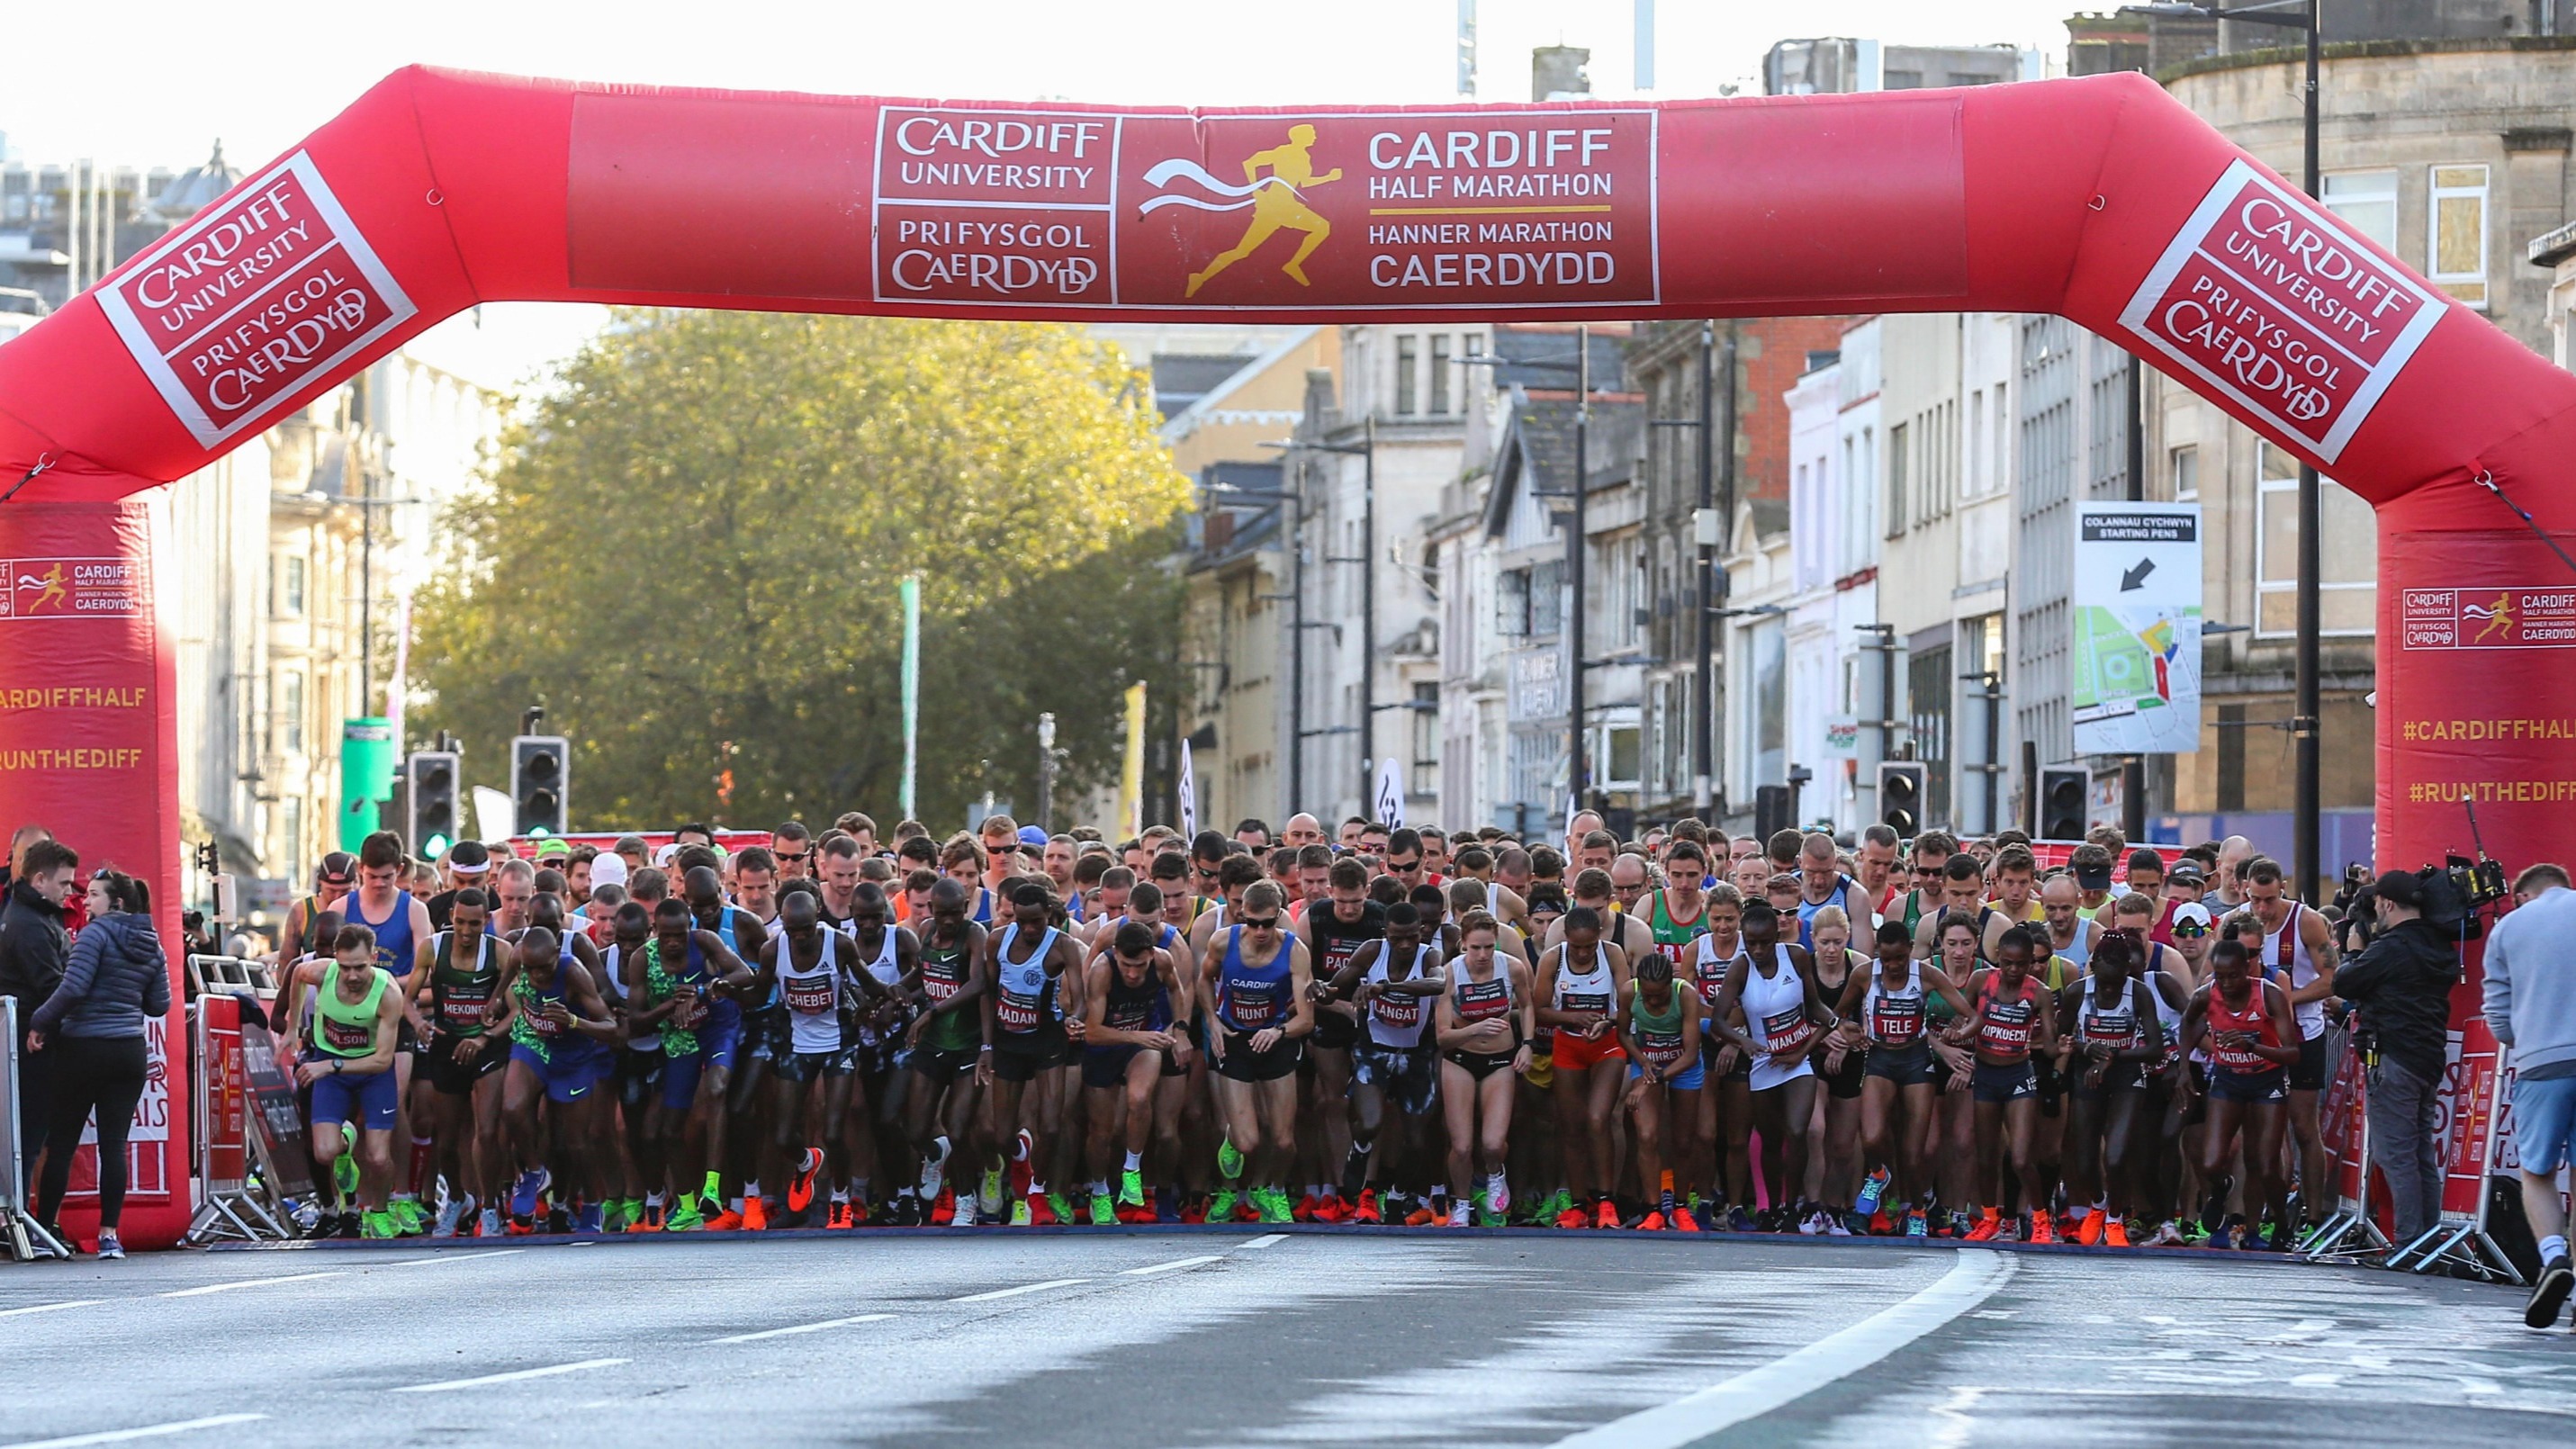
column 2101, row 199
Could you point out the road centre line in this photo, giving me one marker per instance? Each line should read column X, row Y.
column 1152, row 1268
column 802, row 1328
column 513, row 1376
column 1693, row 1417
column 49, row 1307
column 1016, row 1292
column 206, row 1288
column 453, row 1257
column 148, row 1431
column 1267, row 1240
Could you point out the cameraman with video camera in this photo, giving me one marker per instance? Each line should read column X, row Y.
column 2401, row 985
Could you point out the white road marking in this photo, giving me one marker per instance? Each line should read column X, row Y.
column 1016, row 1292
column 453, row 1257
column 251, row 1283
column 49, row 1307
column 803, row 1328
column 1267, row 1239
column 1957, row 1424
column 2316, row 1381
column 1152, row 1268
column 148, row 1431
column 2479, row 1386
column 1975, row 1277
column 512, row 1377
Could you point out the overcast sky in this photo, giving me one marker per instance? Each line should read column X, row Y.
column 154, row 83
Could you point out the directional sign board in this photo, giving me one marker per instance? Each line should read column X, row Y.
column 2134, row 660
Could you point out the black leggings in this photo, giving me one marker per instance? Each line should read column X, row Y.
column 101, row 1073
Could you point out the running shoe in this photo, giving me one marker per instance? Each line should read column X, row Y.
column 616, row 1213
column 1653, row 1222
column 1916, row 1225
column 524, row 1193
column 943, row 1210
column 1607, row 1214
column 1304, row 1211
column 1194, row 1210
column 2557, row 1280
column 378, row 1223
column 1024, row 1147
column 1837, row 1228
column 990, row 1189
column 1558, row 1204
column 1872, row 1192
column 841, row 1217
column 1367, row 1211
column 728, row 1221
column 1220, row 1208
column 2090, row 1227
column 800, row 1185
column 1423, row 1217
column 2115, row 1233
column 1023, row 1212
column 489, row 1224
column 2042, row 1229
column 931, row 1168
column 405, row 1211
column 449, row 1213
column 1498, row 1193
column 755, row 1215
column 1988, row 1226
column 1166, row 1206
column 1053, row 1207
column 592, row 1219
column 1458, row 1213
column 1274, row 1206
column 1683, row 1221
column 1740, row 1220
column 1229, row 1160
column 1813, row 1224
column 1331, row 1208
column 685, row 1218
column 109, row 1247
column 2213, row 1208
column 344, row 1168
column 1104, row 1213
column 961, row 1212
column 1131, row 1188
column 2193, row 1235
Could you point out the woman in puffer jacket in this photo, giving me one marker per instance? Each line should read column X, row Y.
column 117, row 983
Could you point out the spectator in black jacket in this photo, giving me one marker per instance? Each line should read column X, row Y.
column 2402, row 985
column 33, row 949
column 117, row 985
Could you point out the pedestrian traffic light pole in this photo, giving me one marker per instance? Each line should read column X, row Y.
column 2305, row 713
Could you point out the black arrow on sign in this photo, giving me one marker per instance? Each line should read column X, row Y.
column 2137, row 576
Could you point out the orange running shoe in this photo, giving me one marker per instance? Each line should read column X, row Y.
column 800, row 1187
column 1881, row 1225
column 1607, row 1215
column 1988, row 1225
column 1653, row 1223
column 2042, row 1228
column 1421, row 1217
column 841, row 1217
column 755, row 1215
column 727, row 1221
column 1304, row 1212
column 2115, row 1233
column 1572, row 1218
column 1330, row 1208
column 1683, row 1221
column 1367, row 1211
column 2089, row 1233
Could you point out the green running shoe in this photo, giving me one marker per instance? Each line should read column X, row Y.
column 1104, row 1214
column 1062, row 1205
column 1563, row 1203
column 1220, row 1208
column 405, row 1213
column 344, row 1170
column 376, row 1223
column 1131, row 1189
column 1229, row 1160
column 685, row 1217
column 990, row 1190
column 1020, row 1217
column 1274, row 1205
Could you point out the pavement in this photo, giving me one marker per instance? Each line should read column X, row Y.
column 1225, row 1336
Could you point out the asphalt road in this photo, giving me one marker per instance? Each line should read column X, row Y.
column 1224, row 1337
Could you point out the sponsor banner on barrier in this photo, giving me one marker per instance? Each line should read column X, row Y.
column 2342, row 1125
column 273, row 1114
column 1499, row 207
column 2281, row 308
column 222, row 1099
column 234, row 313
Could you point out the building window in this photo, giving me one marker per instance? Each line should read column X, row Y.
column 290, row 586
column 1440, row 375
column 1766, row 725
column 1896, row 458
column 290, row 711
column 2457, row 248
column 2348, row 554
column 2366, row 201
column 1930, row 688
column 1621, row 758
column 1406, row 400
column 1546, row 597
column 294, row 831
column 1426, row 739
column 1512, row 603
column 2184, row 469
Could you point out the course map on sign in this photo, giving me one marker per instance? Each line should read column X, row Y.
column 2133, row 655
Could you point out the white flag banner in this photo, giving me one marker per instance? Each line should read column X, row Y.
column 496, row 815
column 1189, row 795
column 1390, row 793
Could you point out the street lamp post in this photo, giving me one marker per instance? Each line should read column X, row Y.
column 1366, row 451
column 2306, row 845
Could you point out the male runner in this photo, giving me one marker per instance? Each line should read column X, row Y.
column 1030, row 1016
column 1332, row 936
column 887, row 958
column 808, row 967
column 549, row 1006
column 1261, row 991
column 399, row 924
column 459, row 977
column 357, row 1021
column 1388, row 984
column 946, row 1042
column 1135, row 1064
column 686, row 986
column 1821, row 883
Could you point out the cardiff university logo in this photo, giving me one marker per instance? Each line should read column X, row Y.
column 1277, row 200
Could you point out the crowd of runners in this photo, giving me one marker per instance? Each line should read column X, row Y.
column 1684, row 1032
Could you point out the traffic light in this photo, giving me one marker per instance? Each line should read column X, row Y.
column 1900, row 797
column 2061, row 803
column 1771, row 810
column 540, row 781
column 431, row 776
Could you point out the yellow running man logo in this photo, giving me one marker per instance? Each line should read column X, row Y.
column 1277, row 201
column 2499, row 618
column 55, row 590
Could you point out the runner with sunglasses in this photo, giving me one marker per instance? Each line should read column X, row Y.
column 1261, row 989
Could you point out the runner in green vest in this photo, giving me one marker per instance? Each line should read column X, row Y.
column 356, row 1013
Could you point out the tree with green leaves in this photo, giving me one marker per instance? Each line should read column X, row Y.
column 690, row 553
